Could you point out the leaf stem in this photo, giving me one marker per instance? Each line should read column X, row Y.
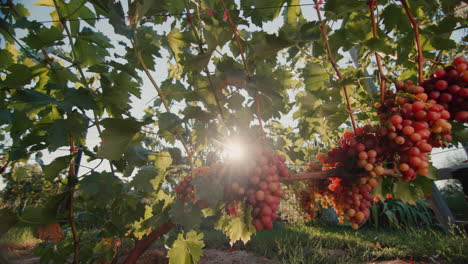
column 382, row 86
column 246, row 68
column 414, row 24
column 323, row 30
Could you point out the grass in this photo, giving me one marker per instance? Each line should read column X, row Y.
column 19, row 238
column 320, row 244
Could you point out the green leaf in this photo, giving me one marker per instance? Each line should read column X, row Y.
column 186, row 215
column 101, row 185
column 19, row 75
column 6, row 59
column 81, row 98
column 186, row 250
column 340, row 8
column 378, row 44
column 44, row 37
column 52, row 170
column 314, row 77
column 161, row 160
column 216, row 35
column 261, row 11
column 196, row 112
column 60, row 131
column 208, row 190
column 311, row 31
column 403, row 191
column 237, row 228
column 147, row 179
column 394, row 17
column 116, row 137
column 169, row 122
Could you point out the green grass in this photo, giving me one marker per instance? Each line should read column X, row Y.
column 19, row 238
column 319, row 244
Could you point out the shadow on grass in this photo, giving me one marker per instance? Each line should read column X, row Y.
column 324, row 244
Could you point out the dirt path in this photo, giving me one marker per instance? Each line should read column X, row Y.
column 210, row 256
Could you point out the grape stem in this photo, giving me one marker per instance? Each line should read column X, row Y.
column 414, row 24
column 331, row 59
column 382, row 78
column 246, row 68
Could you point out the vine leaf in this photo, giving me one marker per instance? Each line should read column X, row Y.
column 52, row 170
column 208, row 190
column 43, row 38
column 116, row 137
column 186, row 215
column 403, row 191
column 102, row 186
column 60, row 130
column 168, row 123
column 147, row 179
column 186, row 250
column 314, row 77
column 161, row 160
column 6, row 58
column 310, row 31
column 237, row 228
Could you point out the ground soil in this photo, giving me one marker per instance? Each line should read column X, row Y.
column 210, row 256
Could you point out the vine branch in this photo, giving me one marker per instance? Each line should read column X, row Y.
column 80, row 70
column 212, row 87
column 246, row 68
column 338, row 172
column 72, row 179
column 414, row 24
column 382, row 86
column 166, row 104
column 143, row 244
column 331, row 59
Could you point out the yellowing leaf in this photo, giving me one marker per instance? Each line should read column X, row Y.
column 186, row 250
column 45, row 3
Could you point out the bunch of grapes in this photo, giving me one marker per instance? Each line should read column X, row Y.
column 350, row 194
column 264, row 189
column 255, row 181
column 448, row 87
column 184, row 190
column 412, row 125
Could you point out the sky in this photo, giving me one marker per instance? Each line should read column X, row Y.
column 41, row 13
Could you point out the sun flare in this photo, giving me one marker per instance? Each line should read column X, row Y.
column 234, row 150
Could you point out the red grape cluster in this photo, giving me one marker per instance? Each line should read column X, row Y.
column 264, row 189
column 361, row 157
column 448, row 87
column 184, row 190
column 255, row 181
column 412, row 125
